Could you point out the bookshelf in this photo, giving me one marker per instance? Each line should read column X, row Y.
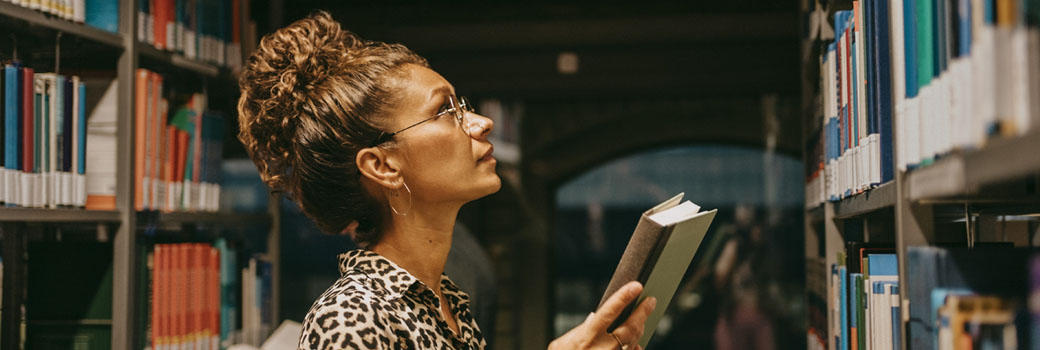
column 967, row 182
column 127, row 223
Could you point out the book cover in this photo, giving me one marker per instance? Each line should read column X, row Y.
column 102, row 14
column 12, row 144
column 140, row 134
column 662, row 247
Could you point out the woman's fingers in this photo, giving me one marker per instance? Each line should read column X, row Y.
column 633, row 328
column 615, row 304
column 638, row 317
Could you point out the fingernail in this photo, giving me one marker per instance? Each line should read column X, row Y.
column 653, row 303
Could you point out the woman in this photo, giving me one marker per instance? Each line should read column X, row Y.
column 369, row 141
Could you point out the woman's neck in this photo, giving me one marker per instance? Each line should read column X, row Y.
column 419, row 242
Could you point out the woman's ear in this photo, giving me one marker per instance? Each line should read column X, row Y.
column 377, row 165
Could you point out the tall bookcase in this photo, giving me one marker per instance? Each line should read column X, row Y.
column 913, row 209
column 126, row 223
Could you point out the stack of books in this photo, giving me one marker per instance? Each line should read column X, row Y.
column 864, row 305
column 44, row 139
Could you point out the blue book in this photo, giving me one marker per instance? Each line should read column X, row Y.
column 867, row 32
column 12, row 102
column 883, row 265
column 897, row 324
column 844, row 308
column 910, row 46
column 883, row 88
column 963, row 28
column 58, row 123
column 82, row 138
column 103, row 14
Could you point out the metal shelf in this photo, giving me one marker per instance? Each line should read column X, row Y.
column 39, row 19
column 177, row 60
column 219, row 218
column 15, row 214
column 883, row 196
column 965, row 173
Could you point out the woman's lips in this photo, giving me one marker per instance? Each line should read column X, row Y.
column 487, row 156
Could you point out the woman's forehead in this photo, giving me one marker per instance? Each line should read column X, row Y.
column 423, row 84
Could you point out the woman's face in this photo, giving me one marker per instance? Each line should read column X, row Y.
column 441, row 161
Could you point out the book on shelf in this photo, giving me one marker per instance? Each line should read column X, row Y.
column 661, row 248
column 43, row 140
column 209, row 31
column 864, row 305
column 102, row 14
column 101, row 129
column 72, row 10
column 178, row 149
column 191, row 296
column 906, row 82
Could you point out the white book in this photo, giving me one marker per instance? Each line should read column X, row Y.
column 101, row 163
column 942, row 115
column 1019, row 57
column 80, row 10
column 926, row 121
column 1006, row 75
column 1033, row 46
column 984, row 78
column 190, row 42
column 875, row 158
column 912, row 140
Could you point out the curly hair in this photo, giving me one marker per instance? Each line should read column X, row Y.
column 312, row 96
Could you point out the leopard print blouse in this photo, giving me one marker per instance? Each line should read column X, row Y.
column 376, row 304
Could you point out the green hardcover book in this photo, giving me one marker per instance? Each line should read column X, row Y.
column 69, row 296
column 925, row 42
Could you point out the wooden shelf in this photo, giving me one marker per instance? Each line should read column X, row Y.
column 15, row 214
column 176, row 60
column 219, row 218
column 965, row 173
column 39, row 19
column 882, row 197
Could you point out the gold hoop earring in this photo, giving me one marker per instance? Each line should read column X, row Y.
column 395, row 193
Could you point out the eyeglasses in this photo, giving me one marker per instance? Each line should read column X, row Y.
column 455, row 107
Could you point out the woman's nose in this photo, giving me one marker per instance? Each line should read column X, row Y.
column 479, row 126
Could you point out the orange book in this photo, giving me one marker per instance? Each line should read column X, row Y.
column 157, row 276
column 170, row 158
column 198, row 279
column 158, row 24
column 182, row 288
column 140, row 116
column 214, row 297
column 154, row 141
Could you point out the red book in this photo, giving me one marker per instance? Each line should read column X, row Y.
column 214, row 297
column 180, row 305
column 156, row 336
column 27, row 120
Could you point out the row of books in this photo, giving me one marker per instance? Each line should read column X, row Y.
column 178, row 148
column 44, row 139
column 907, row 81
column 189, row 290
column 864, row 300
column 209, row 30
column 101, row 14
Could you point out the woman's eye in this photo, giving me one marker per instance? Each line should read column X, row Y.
column 444, row 108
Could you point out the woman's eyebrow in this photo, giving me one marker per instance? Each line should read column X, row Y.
column 437, row 93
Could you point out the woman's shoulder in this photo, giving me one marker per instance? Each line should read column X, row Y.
column 349, row 312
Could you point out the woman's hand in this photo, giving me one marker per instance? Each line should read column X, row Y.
column 592, row 334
